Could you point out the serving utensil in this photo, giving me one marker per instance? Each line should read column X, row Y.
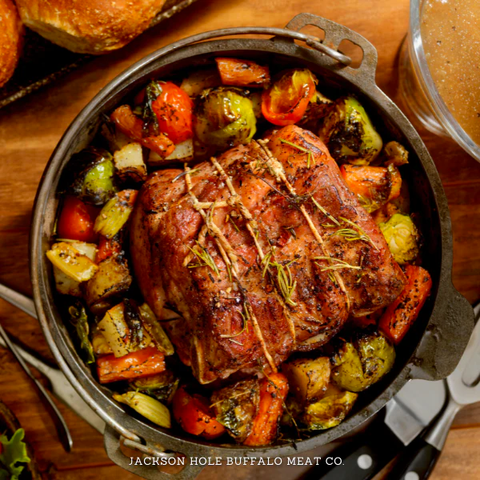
column 61, row 387
column 463, row 387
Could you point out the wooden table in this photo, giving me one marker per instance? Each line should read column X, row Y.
column 30, row 129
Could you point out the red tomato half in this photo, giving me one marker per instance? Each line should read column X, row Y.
column 173, row 108
column 76, row 221
column 286, row 101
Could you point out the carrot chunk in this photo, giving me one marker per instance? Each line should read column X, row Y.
column 242, row 73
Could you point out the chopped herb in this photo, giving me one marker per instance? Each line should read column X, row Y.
column 360, row 231
column 351, row 235
column 302, row 149
column 336, row 264
column 285, row 282
column 203, row 257
column 150, row 120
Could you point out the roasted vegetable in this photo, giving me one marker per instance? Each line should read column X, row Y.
column 242, row 73
column 286, row 101
column 129, row 164
column 307, row 379
column 142, row 363
column 375, row 186
column 318, row 108
column 71, row 262
column 400, row 315
column 195, row 416
column 99, row 343
column 363, row 360
column 109, row 247
column 273, row 392
column 132, row 126
column 115, row 213
column 236, row 406
column 329, row 411
column 116, row 140
column 154, row 328
column 199, row 80
column 395, row 154
column 402, row 236
column 111, row 280
column 79, row 319
column 183, row 153
column 122, row 333
column 224, row 118
column 76, row 220
column 93, row 181
column 146, row 406
column 162, row 386
column 349, row 134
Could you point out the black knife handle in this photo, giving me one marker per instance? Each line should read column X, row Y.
column 419, row 457
column 363, row 457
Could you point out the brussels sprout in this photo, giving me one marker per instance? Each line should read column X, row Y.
column 236, row 406
column 363, row 360
column 93, row 181
column 349, row 134
column 224, row 118
column 395, row 154
column 401, row 235
column 161, row 386
column 79, row 319
column 329, row 411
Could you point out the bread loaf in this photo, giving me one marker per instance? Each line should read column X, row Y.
column 89, row 26
column 11, row 39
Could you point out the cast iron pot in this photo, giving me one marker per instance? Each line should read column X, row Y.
column 434, row 344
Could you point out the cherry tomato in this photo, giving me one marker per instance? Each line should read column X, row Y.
column 173, row 108
column 286, row 101
column 76, row 220
column 193, row 414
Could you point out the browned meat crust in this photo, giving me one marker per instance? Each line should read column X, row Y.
column 272, row 216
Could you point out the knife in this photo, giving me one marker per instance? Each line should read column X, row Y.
column 61, row 387
column 406, row 415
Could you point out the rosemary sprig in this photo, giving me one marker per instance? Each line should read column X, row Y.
column 331, row 276
column 302, row 149
column 368, row 204
column 230, row 219
column 336, row 264
column 285, row 282
column 203, row 257
column 351, row 235
column 330, row 217
column 360, row 231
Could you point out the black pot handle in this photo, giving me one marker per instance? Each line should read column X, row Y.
column 363, row 457
column 148, row 469
column 446, row 336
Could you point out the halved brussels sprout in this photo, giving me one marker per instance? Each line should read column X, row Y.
column 161, row 386
column 349, row 134
column 93, row 180
column 236, row 406
column 224, row 118
column 363, row 360
column 402, row 236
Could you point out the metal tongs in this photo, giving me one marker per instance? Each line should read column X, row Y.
column 61, row 387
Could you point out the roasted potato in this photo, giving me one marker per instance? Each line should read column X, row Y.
column 308, row 379
column 363, row 360
column 129, row 164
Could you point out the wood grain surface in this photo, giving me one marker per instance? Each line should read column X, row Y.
column 30, row 129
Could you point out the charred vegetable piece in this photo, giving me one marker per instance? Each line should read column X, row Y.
column 349, row 134
column 79, row 319
column 132, row 126
column 109, row 247
column 71, row 262
column 110, row 282
column 154, row 328
column 242, row 73
column 318, row 108
column 308, row 379
column 195, row 416
column 363, row 361
column 384, row 213
column 224, row 118
column 402, row 313
column 329, row 411
column 395, row 154
column 161, row 386
column 200, row 80
column 115, row 213
column 99, row 343
column 236, row 406
column 173, row 108
column 94, row 171
column 116, row 140
column 286, row 101
column 273, row 392
column 402, row 236
column 146, row 406
column 134, row 365
column 123, row 330
column 76, row 220
column 129, row 164
column 375, row 186
column 183, row 153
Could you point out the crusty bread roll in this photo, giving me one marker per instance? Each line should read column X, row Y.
column 89, row 26
column 11, row 39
